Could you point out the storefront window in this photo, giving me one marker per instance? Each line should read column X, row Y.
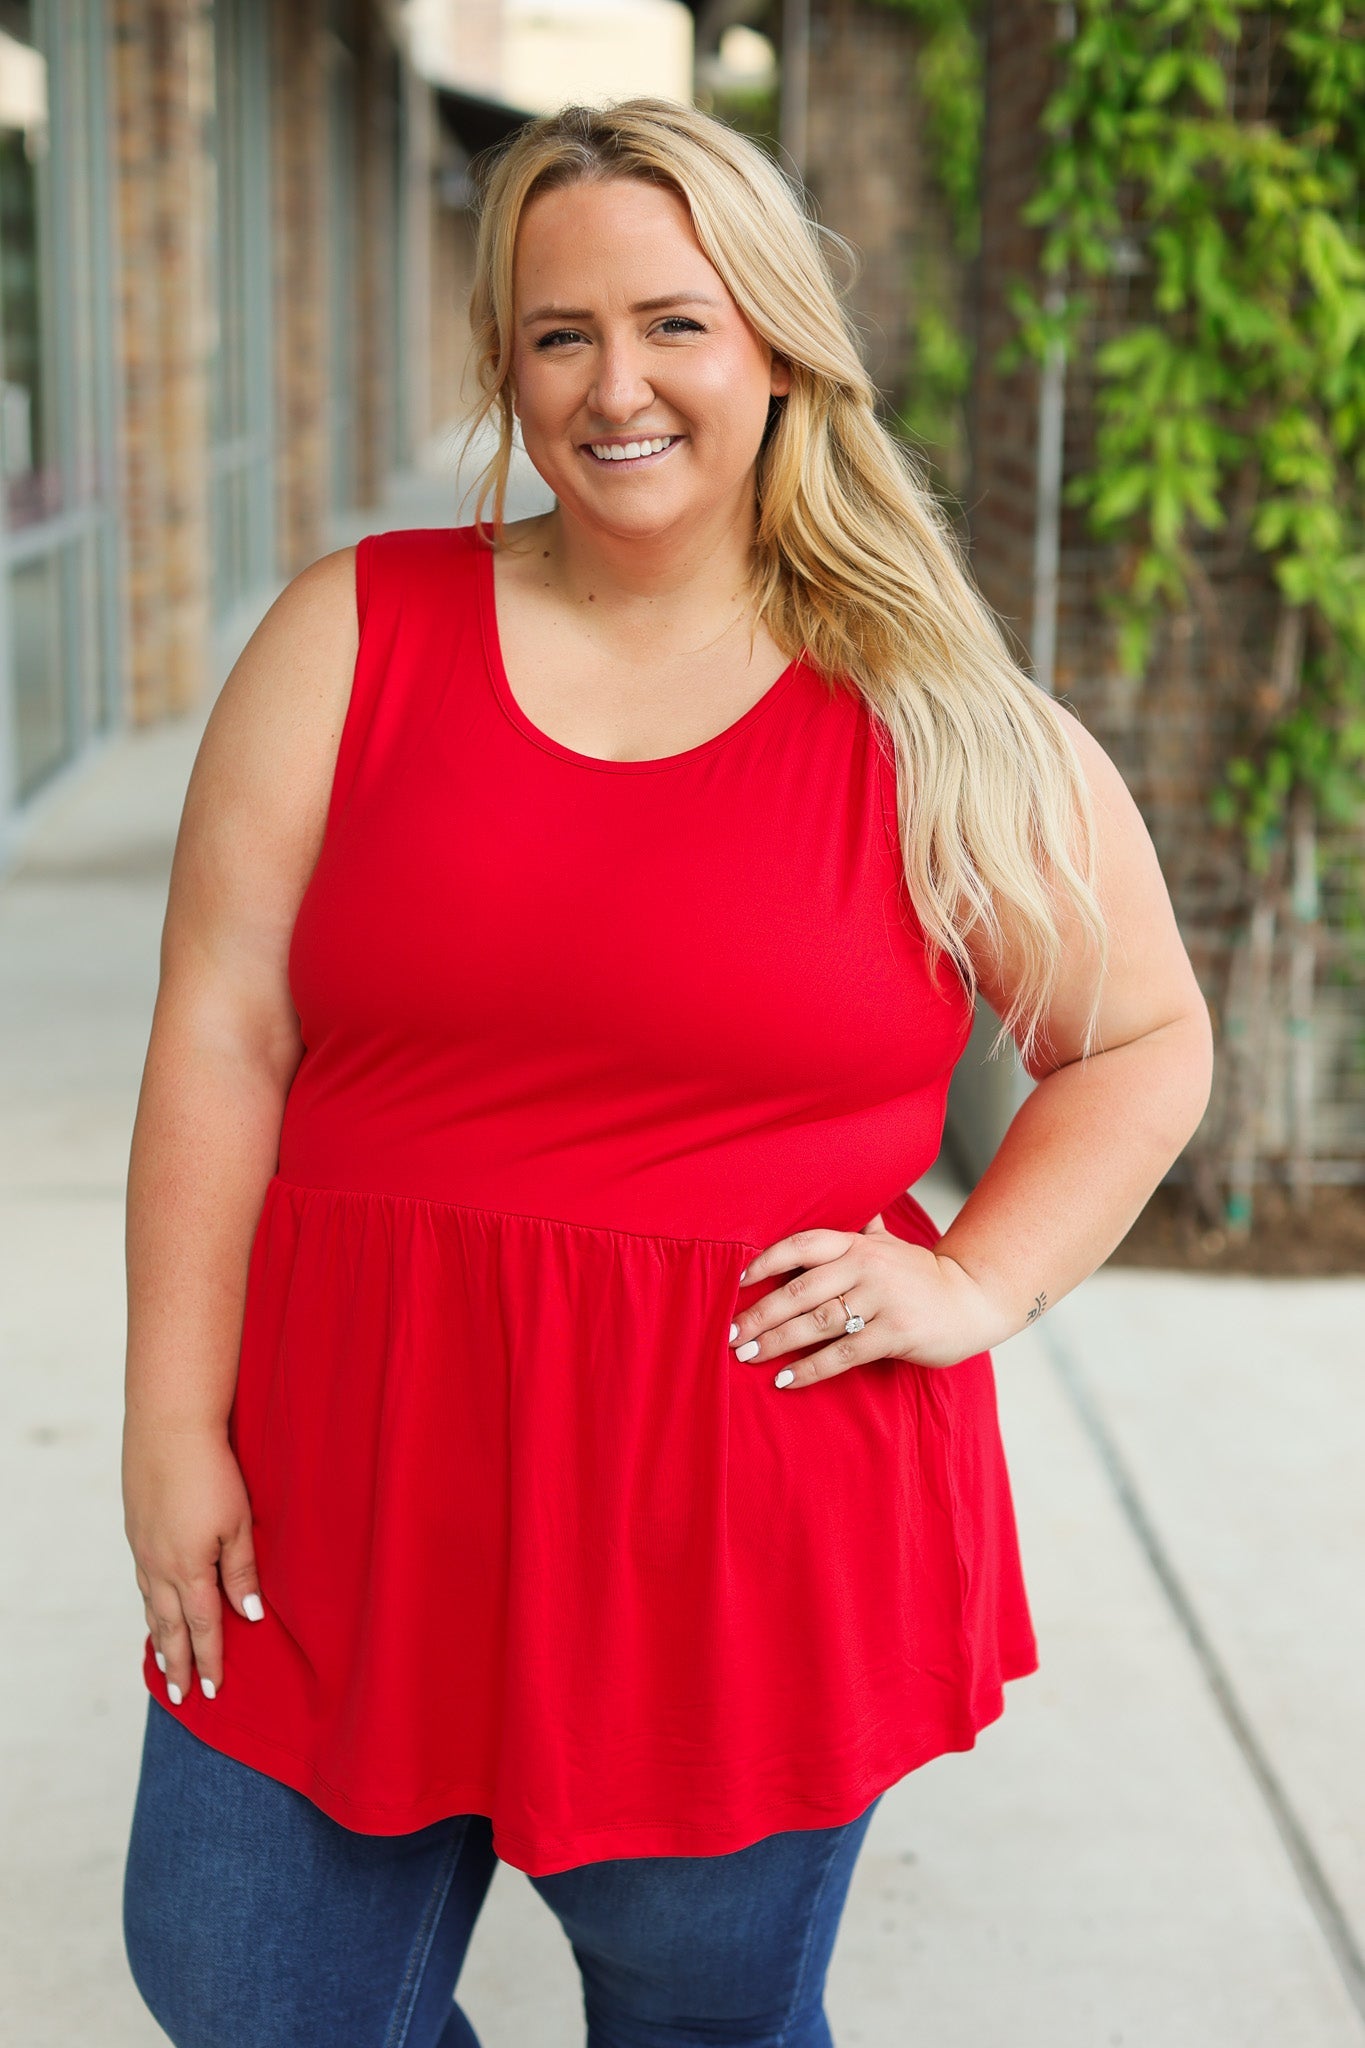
column 57, row 634
column 32, row 470
column 241, row 388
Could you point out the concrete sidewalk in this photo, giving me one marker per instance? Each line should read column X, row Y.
column 1160, row 1846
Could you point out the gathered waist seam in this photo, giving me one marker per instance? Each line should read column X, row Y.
column 515, row 1215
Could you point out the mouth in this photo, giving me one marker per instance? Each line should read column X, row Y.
column 647, row 452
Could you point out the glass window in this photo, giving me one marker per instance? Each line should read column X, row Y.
column 58, row 622
column 241, row 389
column 28, row 446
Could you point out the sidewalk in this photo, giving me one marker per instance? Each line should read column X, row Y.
column 1161, row 1845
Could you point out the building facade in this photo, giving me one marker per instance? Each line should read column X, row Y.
column 59, row 624
column 1171, row 731
column 234, row 246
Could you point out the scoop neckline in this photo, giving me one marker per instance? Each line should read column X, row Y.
column 651, row 764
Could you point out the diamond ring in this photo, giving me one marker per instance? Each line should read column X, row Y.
column 852, row 1323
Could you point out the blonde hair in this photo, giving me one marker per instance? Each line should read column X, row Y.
column 855, row 562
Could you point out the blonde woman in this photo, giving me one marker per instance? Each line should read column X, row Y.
column 553, row 1431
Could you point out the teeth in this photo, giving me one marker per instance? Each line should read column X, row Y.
column 613, row 451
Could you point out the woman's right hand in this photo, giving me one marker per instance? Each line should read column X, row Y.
column 188, row 1523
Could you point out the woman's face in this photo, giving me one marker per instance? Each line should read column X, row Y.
column 625, row 333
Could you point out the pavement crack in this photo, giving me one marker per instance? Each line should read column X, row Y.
column 1313, row 1880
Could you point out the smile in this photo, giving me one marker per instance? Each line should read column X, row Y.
column 631, row 454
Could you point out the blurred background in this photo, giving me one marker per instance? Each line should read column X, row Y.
column 1109, row 278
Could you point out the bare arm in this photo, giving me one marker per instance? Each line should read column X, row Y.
column 1091, row 1141
column 224, row 1046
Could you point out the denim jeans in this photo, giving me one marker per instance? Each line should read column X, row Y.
column 253, row 1920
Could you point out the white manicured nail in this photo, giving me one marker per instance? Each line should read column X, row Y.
column 176, row 1695
column 785, row 1377
column 160, row 1660
column 742, row 1275
column 734, row 1331
column 749, row 1350
column 252, row 1604
column 208, row 1688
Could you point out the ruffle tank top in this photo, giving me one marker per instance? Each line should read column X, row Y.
column 581, row 1038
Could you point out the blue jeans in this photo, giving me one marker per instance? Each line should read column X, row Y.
column 253, row 1920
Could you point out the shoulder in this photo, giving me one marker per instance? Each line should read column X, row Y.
column 1147, row 978
column 1128, row 873
column 323, row 594
column 301, row 657
column 263, row 770
column 1106, row 786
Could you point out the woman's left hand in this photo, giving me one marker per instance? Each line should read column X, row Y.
column 916, row 1304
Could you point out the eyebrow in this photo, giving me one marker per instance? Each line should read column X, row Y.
column 640, row 306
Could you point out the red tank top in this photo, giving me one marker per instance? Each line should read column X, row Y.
column 582, row 1037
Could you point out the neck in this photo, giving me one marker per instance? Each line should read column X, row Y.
column 658, row 580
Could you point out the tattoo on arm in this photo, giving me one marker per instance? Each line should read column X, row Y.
column 1039, row 1304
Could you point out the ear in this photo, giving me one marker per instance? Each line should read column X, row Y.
column 780, row 377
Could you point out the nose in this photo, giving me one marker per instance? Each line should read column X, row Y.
column 620, row 388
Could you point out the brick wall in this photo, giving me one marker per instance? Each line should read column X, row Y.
column 1170, row 733
column 865, row 169
column 299, row 234
column 161, row 86
column 377, row 114
column 160, row 55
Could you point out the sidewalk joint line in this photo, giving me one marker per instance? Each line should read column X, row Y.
column 1313, row 1879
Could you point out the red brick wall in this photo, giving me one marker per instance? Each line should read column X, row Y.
column 865, row 169
column 299, row 229
column 159, row 51
column 1172, row 731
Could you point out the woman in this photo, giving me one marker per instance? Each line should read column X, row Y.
column 553, row 1431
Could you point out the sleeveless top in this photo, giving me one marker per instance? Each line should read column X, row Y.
column 581, row 1038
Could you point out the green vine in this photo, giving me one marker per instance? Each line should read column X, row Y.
column 1237, row 402
column 949, row 73
column 950, row 91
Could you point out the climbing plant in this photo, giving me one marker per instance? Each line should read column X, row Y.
column 1246, row 382
column 949, row 87
column 1217, row 150
column 1200, row 191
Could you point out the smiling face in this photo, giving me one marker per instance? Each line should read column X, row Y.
column 625, row 333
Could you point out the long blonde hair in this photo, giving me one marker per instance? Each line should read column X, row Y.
column 855, row 562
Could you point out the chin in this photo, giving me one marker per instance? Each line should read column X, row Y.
column 643, row 516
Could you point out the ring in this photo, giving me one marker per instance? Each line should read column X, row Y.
column 852, row 1323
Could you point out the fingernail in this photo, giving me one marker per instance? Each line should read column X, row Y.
column 785, row 1377
column 208, row 1688
column 251, row 1603
column 734, row 1331
column 749, row 1350
column 745, row 1274
column 160, row 1660
column 176, row 1695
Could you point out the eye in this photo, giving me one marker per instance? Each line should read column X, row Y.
column 558, row 334
column 546, row 339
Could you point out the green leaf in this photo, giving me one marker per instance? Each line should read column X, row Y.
column 1208, row 81
column 1163, row 77
column 1120, row 493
